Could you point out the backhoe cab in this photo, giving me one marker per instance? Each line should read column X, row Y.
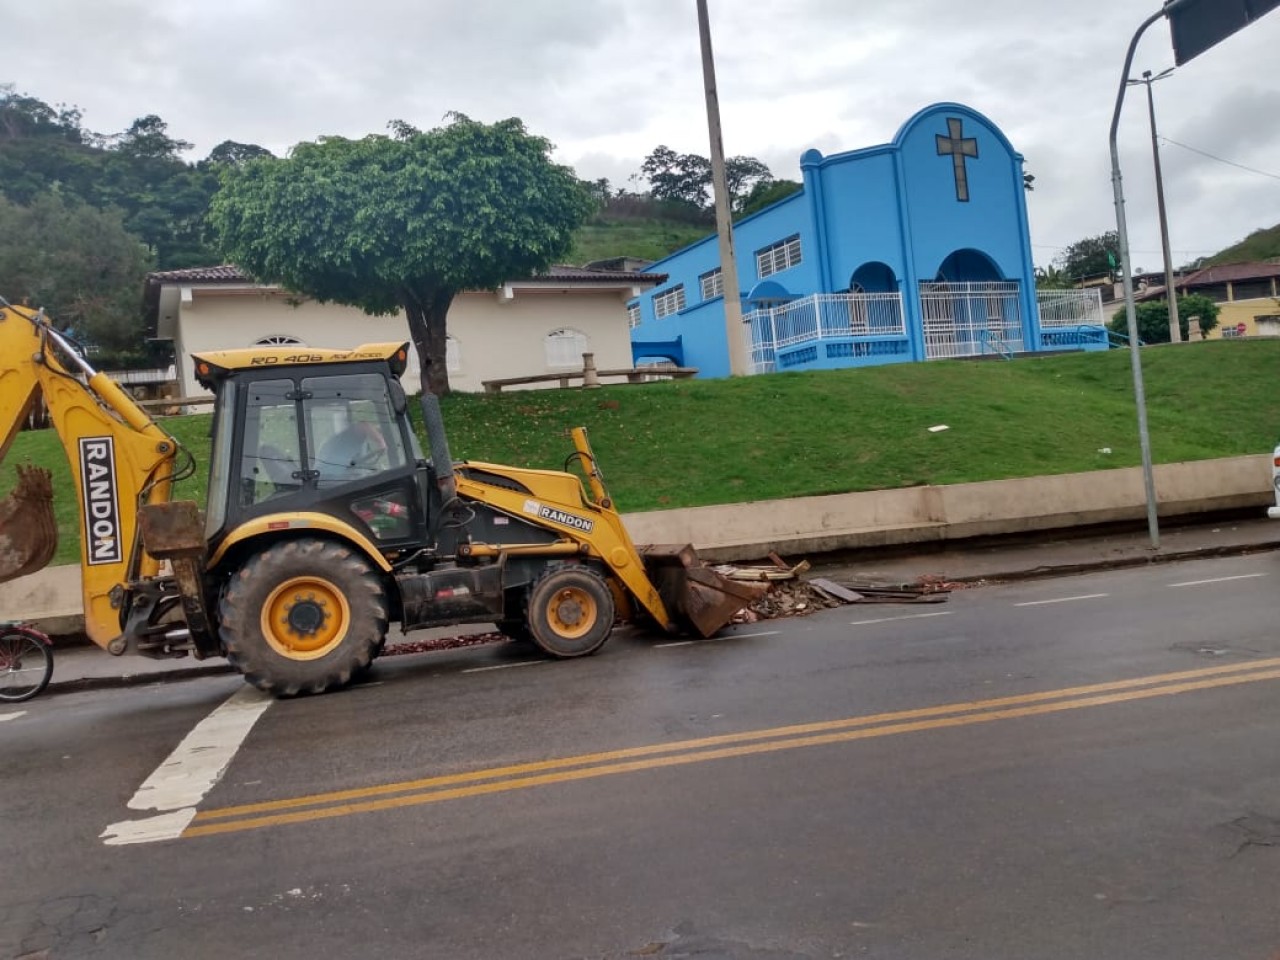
column 325, row 521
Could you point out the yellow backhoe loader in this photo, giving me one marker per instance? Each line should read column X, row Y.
column 324, row 520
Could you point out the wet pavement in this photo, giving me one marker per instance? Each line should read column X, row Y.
column 80, row 667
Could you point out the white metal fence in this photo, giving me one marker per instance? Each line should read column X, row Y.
column 823, row 316
column 1070, row 308
column 970, row 319
column 959, row 320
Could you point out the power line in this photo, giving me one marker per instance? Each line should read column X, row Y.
column 1231, row 163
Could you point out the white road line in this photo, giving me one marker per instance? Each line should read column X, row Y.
column 1196, row 583
column 505, row 666
column 723, row 636
column 179, row 784
column 911, row 616
column 1041, row 603
column 12, row 716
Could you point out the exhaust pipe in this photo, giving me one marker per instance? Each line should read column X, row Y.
column 438, row 443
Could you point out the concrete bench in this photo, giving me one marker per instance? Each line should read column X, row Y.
column 164, row 403
column 566, row 379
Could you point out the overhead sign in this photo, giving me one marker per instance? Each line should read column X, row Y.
column 1197, row 25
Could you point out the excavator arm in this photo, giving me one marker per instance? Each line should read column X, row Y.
column 120, row 461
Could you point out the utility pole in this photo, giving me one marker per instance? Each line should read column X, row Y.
column 735, row 333
column 1195, row 25
column 1170, row 290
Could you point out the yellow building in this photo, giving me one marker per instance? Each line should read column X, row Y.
column 1247, row 295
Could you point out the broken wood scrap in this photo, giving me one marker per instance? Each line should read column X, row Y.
column 835, row 590
column 738, row 572
column 789, row 597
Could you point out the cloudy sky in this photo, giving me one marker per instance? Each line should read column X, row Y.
column 609, row 80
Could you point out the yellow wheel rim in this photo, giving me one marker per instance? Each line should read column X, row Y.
column 572, row 612
column 305, row 618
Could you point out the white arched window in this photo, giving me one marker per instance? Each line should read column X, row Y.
column 565, row 348
column 278, row 340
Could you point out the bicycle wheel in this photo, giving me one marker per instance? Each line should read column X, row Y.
column 26, row 663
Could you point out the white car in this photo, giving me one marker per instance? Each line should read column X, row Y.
column 1274, row 512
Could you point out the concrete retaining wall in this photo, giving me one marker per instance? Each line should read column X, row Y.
column 747, row 531
column 810, row 525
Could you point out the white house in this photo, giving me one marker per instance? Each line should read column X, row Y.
column 539, row 325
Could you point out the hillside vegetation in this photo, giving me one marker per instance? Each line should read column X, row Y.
column 647, row 239
column 1259, row 245
column 688, row 443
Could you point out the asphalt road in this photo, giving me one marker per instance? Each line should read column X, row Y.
column 1083, row 767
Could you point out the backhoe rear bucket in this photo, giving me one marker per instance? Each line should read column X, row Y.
column 693, row 593
column 28, row 529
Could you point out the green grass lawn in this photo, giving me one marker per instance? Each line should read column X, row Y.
column 690, row 443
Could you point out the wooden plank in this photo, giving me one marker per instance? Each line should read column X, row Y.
column 833, row 589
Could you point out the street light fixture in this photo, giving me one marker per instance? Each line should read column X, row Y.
column 1170, row 291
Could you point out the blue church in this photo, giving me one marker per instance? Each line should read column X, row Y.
column 914, row 250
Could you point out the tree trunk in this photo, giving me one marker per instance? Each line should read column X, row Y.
column 426, row 313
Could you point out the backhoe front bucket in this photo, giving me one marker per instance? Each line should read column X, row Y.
column 28, row 529
column 694, row 594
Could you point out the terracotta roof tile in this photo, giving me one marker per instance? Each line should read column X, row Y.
column 227, row 273
column 1229, row 272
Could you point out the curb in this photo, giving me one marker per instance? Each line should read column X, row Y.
column 1035, row 573
column 80, row 684
column 1120, row 563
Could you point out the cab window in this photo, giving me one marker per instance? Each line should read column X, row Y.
column 270, row 461
column 352, row 432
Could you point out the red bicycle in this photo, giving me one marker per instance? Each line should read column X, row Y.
column 26, row 662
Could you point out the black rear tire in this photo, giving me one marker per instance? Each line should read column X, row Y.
column 303, row 616
column 571, row 612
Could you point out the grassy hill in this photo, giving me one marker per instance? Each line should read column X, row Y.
column 1259, row 245
column 690, row 443
column 647, row 239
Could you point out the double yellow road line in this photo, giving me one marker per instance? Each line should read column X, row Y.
column 389, row 796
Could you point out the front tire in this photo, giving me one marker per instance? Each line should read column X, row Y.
column 571, row 612
column 303, row 616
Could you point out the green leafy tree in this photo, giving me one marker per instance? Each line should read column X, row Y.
column 678, row 177
column 743, row 175
column 83, row 267
column 148, row 138
column 1153, row 318
column 139, row 172
column 235, row 154
column 1090, row 257
column 386, row 224
column 765, row 192
column 686, row 177
column 1051, row 278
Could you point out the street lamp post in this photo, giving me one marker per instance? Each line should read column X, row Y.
column 1170, row 290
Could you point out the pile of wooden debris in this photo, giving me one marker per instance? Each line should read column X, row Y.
column 790, row 595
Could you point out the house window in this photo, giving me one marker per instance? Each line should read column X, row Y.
column 712, row 284
column 669, row 301
column 1250, row 289
column 452, row 355
column 633, row 315
column 565, row 348
column 782, row 255
column 278, row 340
